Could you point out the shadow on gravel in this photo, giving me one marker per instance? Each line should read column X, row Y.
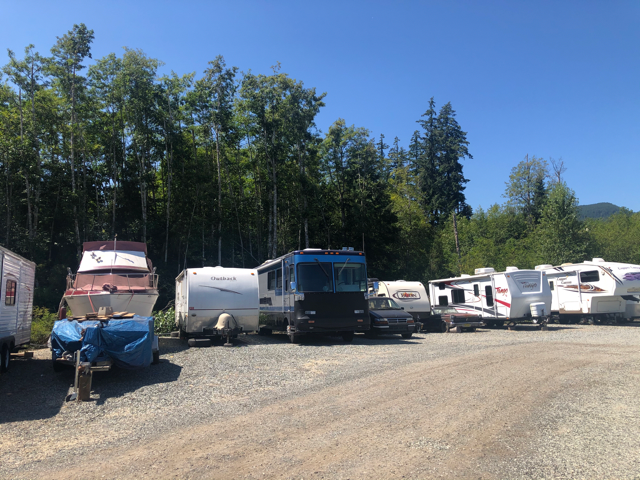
column 118, row 382
column 319, row 340
column 31, row 390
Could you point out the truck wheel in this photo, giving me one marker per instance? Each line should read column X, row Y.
column 444, row 327
column 407, row 335
column 4, row 361
column 293, row 338
column 459, row 329
column 348, row 336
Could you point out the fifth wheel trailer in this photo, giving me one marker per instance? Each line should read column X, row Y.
column 594, row 290
column 16, row 303
column 216, row 302
column 514, row 296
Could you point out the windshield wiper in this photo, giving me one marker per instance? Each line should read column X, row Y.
column 323, row 270
column 345, row 264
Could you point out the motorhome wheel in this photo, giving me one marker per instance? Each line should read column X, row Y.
column 293, row 338
column 347, row 336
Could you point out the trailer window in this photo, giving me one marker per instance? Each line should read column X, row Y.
column 315, row 277
column 443, row 301
column 457, row 296
column 271, row 280
column 489, row 295
column 551, row 286
column 441, row 286
column 476, row 290
column 10, row 293
column 350, row 277
column 591, row 276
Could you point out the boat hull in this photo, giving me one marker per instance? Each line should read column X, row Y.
column 138, row 303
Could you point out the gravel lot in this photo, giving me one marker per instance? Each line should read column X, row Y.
column 492, row 404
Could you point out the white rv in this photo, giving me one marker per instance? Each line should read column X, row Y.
column 16, row 303
column 595, row 290
column 514, row 296
column 217, row 302
column 412, row 296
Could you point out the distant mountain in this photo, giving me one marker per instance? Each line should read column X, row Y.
column 597, row 210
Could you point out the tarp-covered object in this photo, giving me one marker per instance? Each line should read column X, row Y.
column 127, row 342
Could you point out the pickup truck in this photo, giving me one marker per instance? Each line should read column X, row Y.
column 451, row 320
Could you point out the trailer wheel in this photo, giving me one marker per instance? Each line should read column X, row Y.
column 407, row 335
column 4, row 361
column 156, row 358
column 57, row 366
column 348, row 336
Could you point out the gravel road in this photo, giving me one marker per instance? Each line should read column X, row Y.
column 564, row 403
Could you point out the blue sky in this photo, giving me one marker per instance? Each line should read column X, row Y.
column 556, row 79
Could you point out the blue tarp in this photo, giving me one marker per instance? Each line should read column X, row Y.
column 127, row 342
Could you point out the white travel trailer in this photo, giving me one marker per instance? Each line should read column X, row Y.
column 217, row 302
column 412, row 296
column 594, row 290
column 16, row 303
column 514, row 296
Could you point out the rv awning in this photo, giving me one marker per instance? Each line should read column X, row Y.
column 100, row 260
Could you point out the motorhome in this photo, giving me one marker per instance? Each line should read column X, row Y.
column 514, row 296
column 216, row 302
column 411, row 296
column 315, row 291
column 593, row 290
column 17, row 275
column 113, row 274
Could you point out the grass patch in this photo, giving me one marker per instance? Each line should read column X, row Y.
column 41, row 325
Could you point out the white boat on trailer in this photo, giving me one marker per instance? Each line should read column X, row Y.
column 511, row 297
column 594, row 290
column 112, row 274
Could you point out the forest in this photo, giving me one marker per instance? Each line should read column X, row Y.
column 229, row 168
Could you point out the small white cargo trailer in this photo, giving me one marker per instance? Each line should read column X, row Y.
column 514, row 296
column 216, row 302
column 16, row 303
column 593, row 290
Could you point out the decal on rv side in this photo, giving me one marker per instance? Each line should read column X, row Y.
column 406, row 295
column 584, row 288
column 502, row 291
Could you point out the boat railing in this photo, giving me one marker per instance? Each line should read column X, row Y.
column 112, row 282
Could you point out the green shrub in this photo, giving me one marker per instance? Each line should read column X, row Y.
column 41, row 325
column 165, row 321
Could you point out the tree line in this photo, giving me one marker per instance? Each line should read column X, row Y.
column 229, row 168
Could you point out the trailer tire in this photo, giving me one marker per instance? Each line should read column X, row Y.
column 5, row 355
column 156, row 358
column 199, row 342
column 348, row 336
column 407, row 335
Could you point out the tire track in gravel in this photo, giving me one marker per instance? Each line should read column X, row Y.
column 464, row 417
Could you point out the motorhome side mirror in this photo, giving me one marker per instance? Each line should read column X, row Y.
column 375, row 286
column 293, row 286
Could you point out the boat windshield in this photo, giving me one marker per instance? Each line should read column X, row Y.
column 315, row 277
column 350, row 277
column 384, row 303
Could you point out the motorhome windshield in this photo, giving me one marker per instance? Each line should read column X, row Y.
column 350, row 277
column 315, row 277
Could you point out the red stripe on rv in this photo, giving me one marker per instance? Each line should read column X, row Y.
column 503, row 303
